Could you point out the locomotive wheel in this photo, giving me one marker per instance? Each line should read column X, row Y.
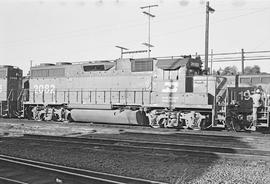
column 55, row 117
column 233, row 124
column 69, row 118
column 161, row 122
column 29, row 115
column 42, row 117
column 229, row 123
column 181, row 123
column 203, row 124
column 237, row 126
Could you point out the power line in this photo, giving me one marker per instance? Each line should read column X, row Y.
column 243, row 15
column 77, row 33
column 213, row 22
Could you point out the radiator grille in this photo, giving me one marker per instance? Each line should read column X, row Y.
column 142, row 65
column 55, row 72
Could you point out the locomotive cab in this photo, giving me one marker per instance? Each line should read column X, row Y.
column 10, row 90
column 183, row 89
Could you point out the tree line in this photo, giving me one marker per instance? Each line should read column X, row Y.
column 232, row 70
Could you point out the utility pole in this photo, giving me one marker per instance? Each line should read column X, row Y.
column 122, row 48
column 211, row 71
column 149, row 18
column 211, row 10
column 31, row 65
column 243, row 60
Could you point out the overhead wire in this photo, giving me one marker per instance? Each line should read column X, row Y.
column 78, row 33
column 106, row 28
column 215, row 22
column 262, row 42
column 85, row 31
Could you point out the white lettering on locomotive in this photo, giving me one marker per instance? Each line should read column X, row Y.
column 46, row 88
column 245, row 95
column 170, row 87
column 172, row 99
column 192, row 64
column 199, row 82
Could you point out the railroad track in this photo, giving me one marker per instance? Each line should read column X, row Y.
column 117, row 146
column 20, row 171
column 150, row 147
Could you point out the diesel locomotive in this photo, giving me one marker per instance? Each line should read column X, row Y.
column 160, row 92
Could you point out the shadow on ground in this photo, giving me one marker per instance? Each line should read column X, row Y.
column 179, row 166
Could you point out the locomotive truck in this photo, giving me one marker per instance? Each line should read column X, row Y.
column 160, row 92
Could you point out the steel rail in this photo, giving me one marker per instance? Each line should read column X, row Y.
column 8, row 180
column 81, row 173
column 158, row 146
column 113, row 140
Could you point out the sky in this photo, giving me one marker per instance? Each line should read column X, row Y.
column 85, row 30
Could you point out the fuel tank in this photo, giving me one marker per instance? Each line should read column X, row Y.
column 110, row 116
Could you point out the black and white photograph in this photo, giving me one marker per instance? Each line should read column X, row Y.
column 134, row 91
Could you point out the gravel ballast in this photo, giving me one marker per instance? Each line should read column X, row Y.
column 169, row 168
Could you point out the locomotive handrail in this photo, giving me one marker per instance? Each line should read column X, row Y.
column 108, row 90
column 10, row 93
column 87, row 90
column 84, row 96
column 20, row 95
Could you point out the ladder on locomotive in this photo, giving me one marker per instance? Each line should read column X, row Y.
column 263, row 114
column 20, row 100
column 220, row 107
column 221, row 112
